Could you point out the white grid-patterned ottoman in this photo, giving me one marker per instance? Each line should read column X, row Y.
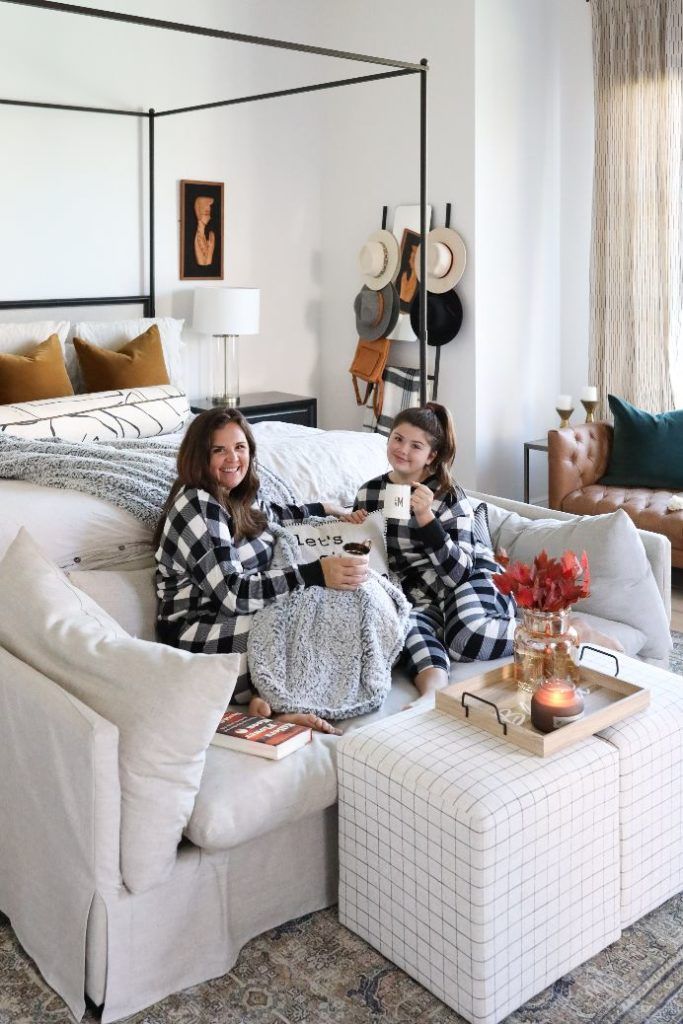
column 650, row 747
column 484, row 872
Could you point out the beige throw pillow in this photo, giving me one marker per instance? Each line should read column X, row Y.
column 166, row 703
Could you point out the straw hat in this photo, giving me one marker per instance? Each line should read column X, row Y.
column 376, row 311
column 446, row 259
column 379, row 259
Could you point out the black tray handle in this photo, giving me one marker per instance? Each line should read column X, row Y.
column 598, row 650
column 483, row 700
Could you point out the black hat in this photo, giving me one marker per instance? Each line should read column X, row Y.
column 444, row 316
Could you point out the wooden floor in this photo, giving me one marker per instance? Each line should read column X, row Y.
column 677, row 599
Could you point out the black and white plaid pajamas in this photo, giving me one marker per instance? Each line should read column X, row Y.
column 458, row 612
column 209, row 585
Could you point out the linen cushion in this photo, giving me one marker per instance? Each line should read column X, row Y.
column 107, row 415
column 20, row 338
column 623, row 588
column 115, row 333
column 165, row 702
column 647, row 450
column 128, row 595
column 137, row 364
column 242, row 797
column 327, row 537
column 39, row 373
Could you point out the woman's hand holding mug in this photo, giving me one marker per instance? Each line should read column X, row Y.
column 421, row 499
column 345, row 572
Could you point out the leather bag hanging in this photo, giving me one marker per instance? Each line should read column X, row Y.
column 368, row 366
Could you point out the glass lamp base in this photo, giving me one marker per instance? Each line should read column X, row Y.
column 225, row 370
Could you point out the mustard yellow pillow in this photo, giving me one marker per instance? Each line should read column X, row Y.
column 138, row 364
column 39, row 374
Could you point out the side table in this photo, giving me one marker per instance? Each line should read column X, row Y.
column 541, row 445
column 270, row 405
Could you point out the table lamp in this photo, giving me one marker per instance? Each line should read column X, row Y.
column 226, row 313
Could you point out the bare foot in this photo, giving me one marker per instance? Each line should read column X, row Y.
column 259, row 707
column 312, row 721
column 430, row 679
column 588, row 635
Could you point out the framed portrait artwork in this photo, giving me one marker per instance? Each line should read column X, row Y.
column 406, row 229
column 201, row 230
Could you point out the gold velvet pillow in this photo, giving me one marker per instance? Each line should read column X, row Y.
column 40, row 374
column 139, row 364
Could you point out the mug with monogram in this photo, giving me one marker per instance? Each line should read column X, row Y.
column 397, row 501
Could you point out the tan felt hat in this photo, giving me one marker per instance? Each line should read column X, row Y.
column 446, row 260
column 379, row 259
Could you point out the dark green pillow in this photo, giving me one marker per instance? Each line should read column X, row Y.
column 647, row 449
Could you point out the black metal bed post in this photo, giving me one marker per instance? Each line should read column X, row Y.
column 423, row 233
column 152, row 287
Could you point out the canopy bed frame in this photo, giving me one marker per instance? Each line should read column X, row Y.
column 148, row 300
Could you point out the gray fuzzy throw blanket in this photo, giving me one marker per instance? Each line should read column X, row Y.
column 135, row 474
column 328, row 652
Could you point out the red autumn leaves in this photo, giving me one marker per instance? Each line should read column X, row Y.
column 549, row 584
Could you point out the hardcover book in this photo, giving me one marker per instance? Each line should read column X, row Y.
column 265, row 737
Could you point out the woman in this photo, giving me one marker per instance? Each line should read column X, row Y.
column 214, row 549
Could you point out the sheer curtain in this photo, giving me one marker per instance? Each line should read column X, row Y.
column 636, row 314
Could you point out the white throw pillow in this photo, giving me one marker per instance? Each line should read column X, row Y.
column 115, row 333
column 165, row 702
column 128, row 595
column 106, row 415
column 327, row 466
column 328, row 538
column 622, row 585
column 20, row 338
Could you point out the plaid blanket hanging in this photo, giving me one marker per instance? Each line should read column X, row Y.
column 401, row 391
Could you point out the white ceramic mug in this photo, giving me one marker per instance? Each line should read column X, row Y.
column 397, row 501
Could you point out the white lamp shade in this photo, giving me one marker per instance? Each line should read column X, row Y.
column 226, row 310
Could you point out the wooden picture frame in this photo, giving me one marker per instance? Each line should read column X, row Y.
column 201, row 230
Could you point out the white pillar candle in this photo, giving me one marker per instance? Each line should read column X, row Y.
column 563, row 402
column 589, row 394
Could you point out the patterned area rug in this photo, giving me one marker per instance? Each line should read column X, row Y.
column 315, row 971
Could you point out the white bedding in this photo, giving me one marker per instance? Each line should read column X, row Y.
column 77, row 530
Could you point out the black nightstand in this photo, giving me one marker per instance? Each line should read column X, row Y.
column 270, row 405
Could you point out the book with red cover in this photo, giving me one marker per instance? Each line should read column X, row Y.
column 265, row 737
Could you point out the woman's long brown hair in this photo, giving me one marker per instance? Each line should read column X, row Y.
column 193, row 471
column 437, row 423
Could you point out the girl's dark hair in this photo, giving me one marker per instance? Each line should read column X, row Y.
column 193, row 471
column 437, row 423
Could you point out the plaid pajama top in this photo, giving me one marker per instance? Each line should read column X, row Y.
column 436, row 557
column 208, row 584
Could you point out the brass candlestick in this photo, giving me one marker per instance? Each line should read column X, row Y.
column 590, row 406
column 564, row 415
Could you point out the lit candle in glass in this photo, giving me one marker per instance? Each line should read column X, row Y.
column 555, row 703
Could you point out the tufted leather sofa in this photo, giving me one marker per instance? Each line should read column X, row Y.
column 578, row 457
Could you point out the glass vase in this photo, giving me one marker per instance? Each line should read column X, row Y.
column 545, row 645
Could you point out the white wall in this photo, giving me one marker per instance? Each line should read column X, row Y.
column 510, row 145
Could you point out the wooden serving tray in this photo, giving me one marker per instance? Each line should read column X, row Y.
column 606, row 700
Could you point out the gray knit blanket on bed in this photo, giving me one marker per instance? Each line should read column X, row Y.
column 328, row 652
column 135, row 475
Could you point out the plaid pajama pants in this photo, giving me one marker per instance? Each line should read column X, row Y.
column 473, row 622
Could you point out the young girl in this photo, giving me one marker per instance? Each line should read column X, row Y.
column 214, row 549
column 458, row 613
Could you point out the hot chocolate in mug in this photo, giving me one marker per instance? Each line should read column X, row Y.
column 397, row 501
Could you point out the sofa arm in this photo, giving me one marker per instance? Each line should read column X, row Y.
column 577, row 457
column 60, row 805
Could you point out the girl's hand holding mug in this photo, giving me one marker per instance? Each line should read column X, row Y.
column 345, row 572
column 421, row 499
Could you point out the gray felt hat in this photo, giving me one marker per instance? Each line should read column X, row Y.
column 376, row 312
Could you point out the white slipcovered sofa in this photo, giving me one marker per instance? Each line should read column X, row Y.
column 99, row 904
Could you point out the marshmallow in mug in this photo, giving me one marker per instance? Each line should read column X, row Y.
column 397, row 501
